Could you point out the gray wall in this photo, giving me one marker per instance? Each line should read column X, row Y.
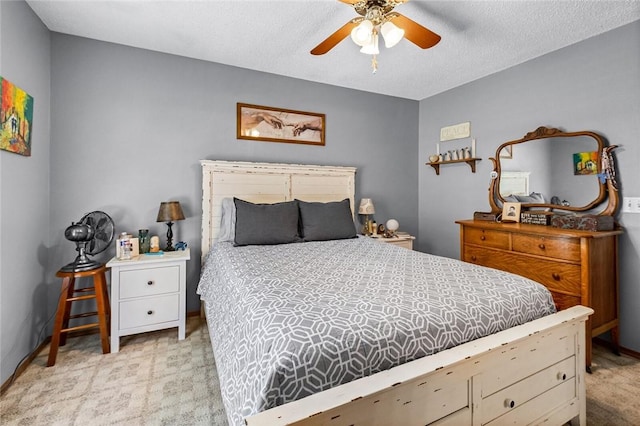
column 592, row 85
column 24, row 192
column 129, row 127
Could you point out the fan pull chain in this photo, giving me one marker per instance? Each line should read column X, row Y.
column 374, row 64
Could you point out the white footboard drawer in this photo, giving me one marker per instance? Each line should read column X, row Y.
column 514, row 396
column 561, row 395
column 439, row 399
column 522, row 359
column 150, row 310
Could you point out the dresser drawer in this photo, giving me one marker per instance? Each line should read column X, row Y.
column 529, row 388
column 149, row 281
column 150, row 310
column 557, row 248
column 487, row 238
column 555, row 276
column 564, row 301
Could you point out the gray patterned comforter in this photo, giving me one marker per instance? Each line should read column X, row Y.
column 291, row 320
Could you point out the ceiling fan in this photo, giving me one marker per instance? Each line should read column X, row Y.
column 378, row 17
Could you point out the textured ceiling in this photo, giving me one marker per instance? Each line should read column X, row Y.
column 478, row 37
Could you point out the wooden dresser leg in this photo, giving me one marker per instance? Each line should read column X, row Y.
column 67, row 282
column 587, row 350
column 615, row 340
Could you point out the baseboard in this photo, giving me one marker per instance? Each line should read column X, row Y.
column 602, row 342
column 23, row 366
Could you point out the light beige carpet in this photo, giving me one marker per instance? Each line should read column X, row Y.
column 154, row 380
column 157, row 380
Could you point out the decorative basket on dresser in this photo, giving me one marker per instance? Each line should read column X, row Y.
column 579, row 267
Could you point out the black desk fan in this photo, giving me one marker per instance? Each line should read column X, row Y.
column 92, row 235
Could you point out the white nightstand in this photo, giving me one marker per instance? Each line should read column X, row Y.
column 148, row 293
column 400, row 240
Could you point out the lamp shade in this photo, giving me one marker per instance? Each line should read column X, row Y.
column 170, row 211
column 366, row 206
column 371, row 47
column 362, row 33
column 391, row 34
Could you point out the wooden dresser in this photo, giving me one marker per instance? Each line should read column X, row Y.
column 578, row 267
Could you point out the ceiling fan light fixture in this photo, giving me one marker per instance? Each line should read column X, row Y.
column 371, row 48
column 391, row 34
column 361, row 35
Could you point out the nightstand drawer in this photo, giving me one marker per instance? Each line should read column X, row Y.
column 151, row 310
column 149, row 281
column 408, row 244
column 401, row 240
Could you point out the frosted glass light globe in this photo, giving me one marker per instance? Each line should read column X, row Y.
column 392, row 225
column 361, row 34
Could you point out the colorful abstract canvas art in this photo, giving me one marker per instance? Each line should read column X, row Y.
column 16, row 117
column 585, row 163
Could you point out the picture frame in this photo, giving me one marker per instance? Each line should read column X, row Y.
column 16, row 118
column 511, row 212
column 507, row 152
column 585, row 163
column 269, row 124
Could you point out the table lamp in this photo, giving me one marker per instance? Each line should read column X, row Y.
column 366, row 208
column 168, row 212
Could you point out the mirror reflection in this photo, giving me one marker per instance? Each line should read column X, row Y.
column 559, row 170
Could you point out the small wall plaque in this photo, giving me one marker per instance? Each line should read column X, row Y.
column 457, row 131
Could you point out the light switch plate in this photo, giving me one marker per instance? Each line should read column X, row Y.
column 631, row 205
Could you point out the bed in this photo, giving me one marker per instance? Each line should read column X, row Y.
column 353, row 331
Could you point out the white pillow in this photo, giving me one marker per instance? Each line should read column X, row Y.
column 228, row 221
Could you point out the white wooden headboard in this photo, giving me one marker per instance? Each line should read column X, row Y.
column 268, row 183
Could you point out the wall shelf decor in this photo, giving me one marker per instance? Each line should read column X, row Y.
column 470, row 161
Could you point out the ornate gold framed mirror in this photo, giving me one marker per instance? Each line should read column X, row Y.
column 549, row 169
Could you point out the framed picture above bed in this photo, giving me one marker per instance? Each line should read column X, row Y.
column 262, row 123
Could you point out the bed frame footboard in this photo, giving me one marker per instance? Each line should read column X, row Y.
column 530, row 374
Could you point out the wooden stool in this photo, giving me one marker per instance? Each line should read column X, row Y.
column 67, row 296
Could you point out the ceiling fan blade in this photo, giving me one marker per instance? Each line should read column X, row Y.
column 415, row 32
column 335, row 38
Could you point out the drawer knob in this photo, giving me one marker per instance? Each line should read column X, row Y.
column 149, row 312
column 474, row 258
column 542, row 247
column 483, row 238
column 562, row 376
column 556, row 276
column 149, row 282
column 509, row 403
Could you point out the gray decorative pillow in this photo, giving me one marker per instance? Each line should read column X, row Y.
column 326, row 221
column 228, row 221
column 534, row 197
column 258, row 224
